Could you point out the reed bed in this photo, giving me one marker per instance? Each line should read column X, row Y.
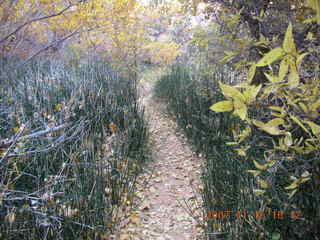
column 233, row 208
column 73, row 140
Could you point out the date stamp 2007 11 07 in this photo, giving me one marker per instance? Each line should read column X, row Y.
column 259, row 215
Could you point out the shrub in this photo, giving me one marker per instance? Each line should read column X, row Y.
column 233, row 182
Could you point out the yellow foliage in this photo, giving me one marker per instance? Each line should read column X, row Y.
column 270, row 57
column 238, row 101
column 223, row 106
column 288, row 43
column 299, row 106
column 263, row 184
column 102, row 23
column 163, row 53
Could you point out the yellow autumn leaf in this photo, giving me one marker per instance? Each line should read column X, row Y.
column 241, row 112
column 259, row 166
column 241, row 152
column 125, row 236
column 229, row 53
column 309, row 20
column 226, row 59
column 276, row 108
column 290, row 195
column 288, row 139
column 293, row 185
column 312, row 4
column 241, row 85
column 315, row 128
column 298, row 121
column 135, row 218
column 315, row 5
column 240, row 109
column 223, row 106
column 288, row 43
column 229, row 91
column 272, row 130
column 303, row 107
column 310, row 36
column 315, row 106
column 255, row 173
column 310, row 147
column 251, row 73
column 263, row 184
column 306, row 174
column 251, row 93
column 272, row 78
column 258, row 192
column 304, row 179
column 270, row 57
column 318, row 12
column 58, row 107
column 244, row 134
column 300, row 58
column 292, row 63
column 16, row 129
column 293, row 79
column 232, row 143
column 275, row 122
column 238, row 104
column 283, row 70
column 257, row 123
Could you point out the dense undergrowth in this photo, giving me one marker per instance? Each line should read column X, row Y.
column 234, row 207
column 73, row 140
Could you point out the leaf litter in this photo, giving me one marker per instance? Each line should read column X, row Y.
column 167, row 204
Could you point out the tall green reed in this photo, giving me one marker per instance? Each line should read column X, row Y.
column 86, row 143
column 233, row 209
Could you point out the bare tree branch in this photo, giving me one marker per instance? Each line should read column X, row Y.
column 4, row 143
column 35, row 20
column 56, row 43
column 51, row 45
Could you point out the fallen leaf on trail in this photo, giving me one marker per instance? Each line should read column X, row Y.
column 135, row 218
column 125, row 236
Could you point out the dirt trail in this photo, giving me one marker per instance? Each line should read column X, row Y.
column 173, row 181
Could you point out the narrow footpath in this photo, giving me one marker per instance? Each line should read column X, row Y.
column 168, row 193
